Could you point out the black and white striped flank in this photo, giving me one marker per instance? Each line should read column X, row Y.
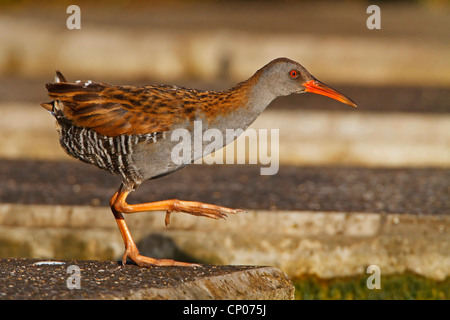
column 110, row 153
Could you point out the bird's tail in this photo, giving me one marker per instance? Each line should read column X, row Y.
column 59, row 77
column 50, row 106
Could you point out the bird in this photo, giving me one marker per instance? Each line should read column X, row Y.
column 126, row 131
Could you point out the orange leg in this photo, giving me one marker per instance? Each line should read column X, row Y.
column 119, row 205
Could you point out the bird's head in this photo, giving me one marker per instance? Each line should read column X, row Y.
column 284, row 76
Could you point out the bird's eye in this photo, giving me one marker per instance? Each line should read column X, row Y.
column 293, row 74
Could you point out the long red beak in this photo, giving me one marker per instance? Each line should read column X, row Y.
column 315, row 86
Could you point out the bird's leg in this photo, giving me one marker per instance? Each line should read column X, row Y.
column 119, row 205
column 192, row 207
column 131, row 250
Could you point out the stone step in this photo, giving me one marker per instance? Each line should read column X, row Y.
column 324, row 244
column 356, row 54
column 32, row 279
column 320, row 217
column 421, row 191
column 305, row 137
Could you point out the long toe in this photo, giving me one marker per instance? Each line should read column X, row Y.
column 144, row 261
column 203, row 209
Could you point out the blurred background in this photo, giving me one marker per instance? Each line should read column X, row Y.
column 356, row 187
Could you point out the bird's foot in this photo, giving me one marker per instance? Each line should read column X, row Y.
column 199, row 209
column 142, row 261
column 119, row 205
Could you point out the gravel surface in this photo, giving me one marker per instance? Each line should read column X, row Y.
column 28, row 279
column 345, row 189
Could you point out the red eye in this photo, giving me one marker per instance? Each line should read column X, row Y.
column 293, row 74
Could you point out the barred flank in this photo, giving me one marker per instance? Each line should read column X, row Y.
column 109, row 153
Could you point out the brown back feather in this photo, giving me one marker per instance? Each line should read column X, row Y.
column 114, row 110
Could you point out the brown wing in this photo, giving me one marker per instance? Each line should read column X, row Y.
column 115, row 110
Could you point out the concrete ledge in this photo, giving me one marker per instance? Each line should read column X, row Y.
column 305, row 138
column 37, row 279
column 43, row 46
column 325, row 244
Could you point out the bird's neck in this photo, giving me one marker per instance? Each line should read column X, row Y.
column 242, row 104
column 231, row 112
column 258, row 92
